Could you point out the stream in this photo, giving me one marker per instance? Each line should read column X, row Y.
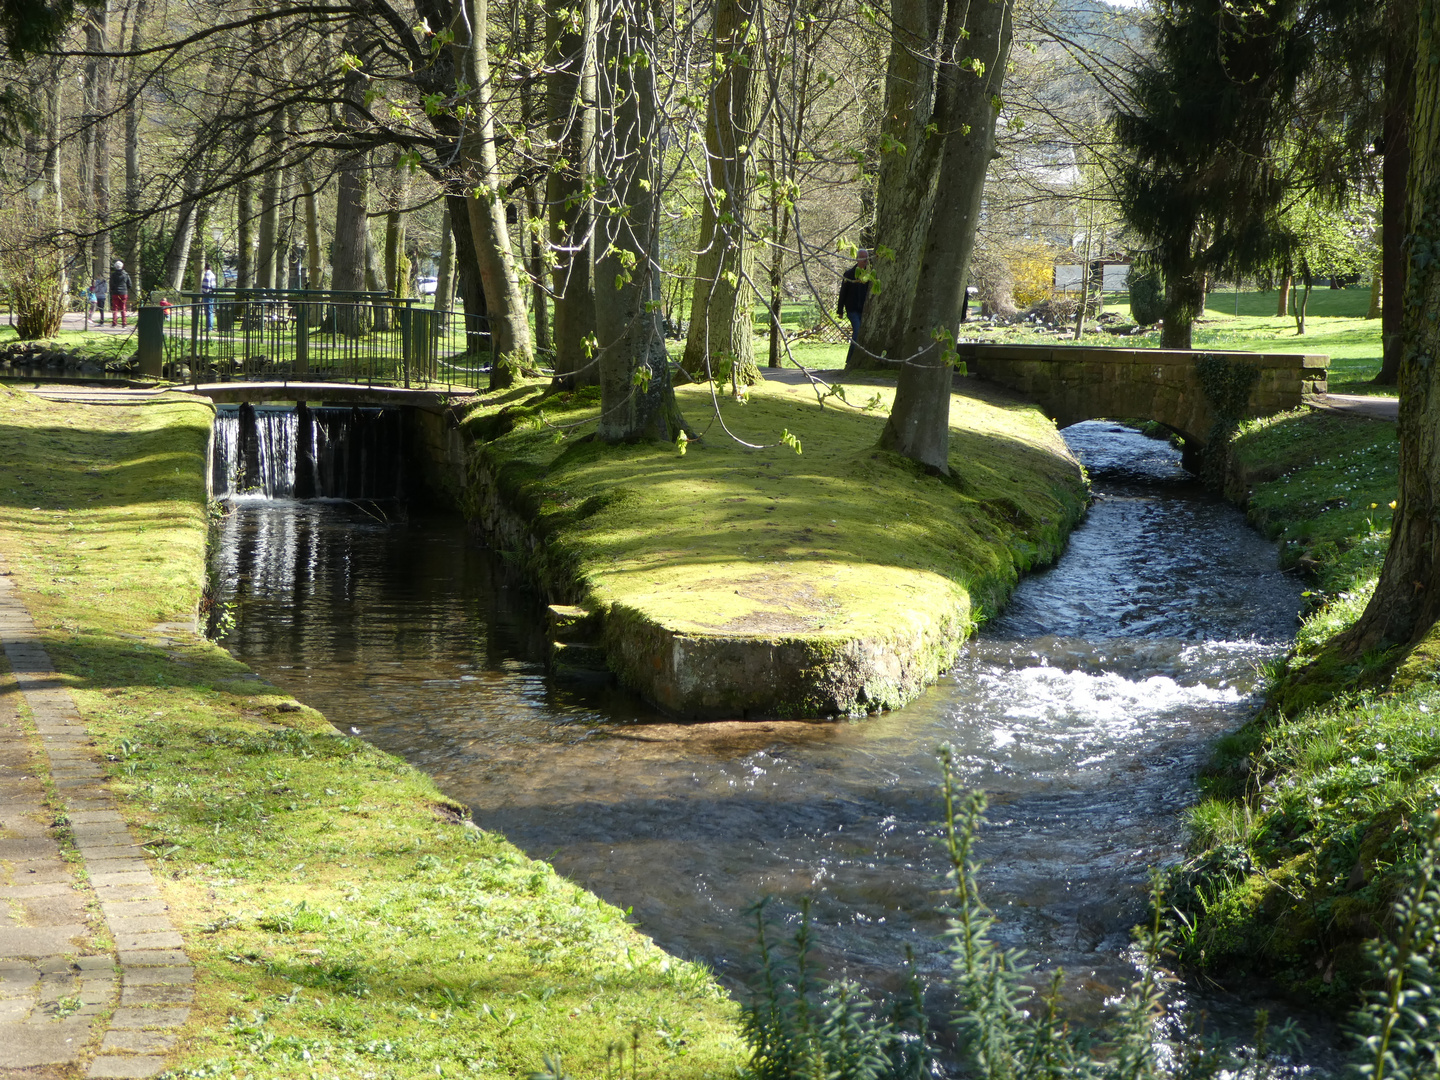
column 1083, row 711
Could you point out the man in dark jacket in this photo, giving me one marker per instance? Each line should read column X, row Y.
column 854, row 292
column 119, row 293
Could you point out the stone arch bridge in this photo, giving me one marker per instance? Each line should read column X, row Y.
column 1076, row 383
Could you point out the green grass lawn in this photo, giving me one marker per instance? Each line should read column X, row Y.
column 342, row 920
column 1336, row 326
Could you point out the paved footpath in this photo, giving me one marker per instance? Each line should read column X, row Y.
column 93, row 980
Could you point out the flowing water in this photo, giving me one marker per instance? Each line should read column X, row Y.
column 1083, row 710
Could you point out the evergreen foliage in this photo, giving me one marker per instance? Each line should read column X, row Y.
column 1200, row 180
column 1147, row 291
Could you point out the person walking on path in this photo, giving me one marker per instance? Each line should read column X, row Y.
column 207, row 294
column 854, row 291
column 119, row 293
column 101, row 290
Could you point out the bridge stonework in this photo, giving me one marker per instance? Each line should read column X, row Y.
column 1076, row 383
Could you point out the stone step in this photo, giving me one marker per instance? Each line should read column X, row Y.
column 568, row 623
column 577, row 655
column 578, row 663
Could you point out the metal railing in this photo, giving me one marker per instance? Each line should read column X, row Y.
column 305, row 336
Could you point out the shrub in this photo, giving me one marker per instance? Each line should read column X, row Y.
column 39, row 305
column 1147, row 291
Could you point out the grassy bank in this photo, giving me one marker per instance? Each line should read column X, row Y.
column 1304, row 834
column 342, row 921
column 837, row 544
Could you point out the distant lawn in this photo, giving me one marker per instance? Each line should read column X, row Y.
column 1336, row 326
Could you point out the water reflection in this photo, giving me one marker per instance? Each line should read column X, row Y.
column 1083, row 710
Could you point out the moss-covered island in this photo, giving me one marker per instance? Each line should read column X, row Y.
column 829, row 579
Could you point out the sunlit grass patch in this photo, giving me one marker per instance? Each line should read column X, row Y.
column 841, row 537
column 342, row 918
column 1306, row 829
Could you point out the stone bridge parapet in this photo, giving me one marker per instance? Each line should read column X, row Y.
column 1075, row 383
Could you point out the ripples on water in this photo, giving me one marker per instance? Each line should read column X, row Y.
column 1083, row 710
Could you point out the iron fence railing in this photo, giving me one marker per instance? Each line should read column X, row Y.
column 226, row 336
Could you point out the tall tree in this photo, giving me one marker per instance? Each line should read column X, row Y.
column 637, row 400
column 721, row 332
column 511, row 350
column 1399, row 16
column 1406, row 603
column 906, row 177
column 97, row 124
column 570, row 102
column 131, row 232
column 352, row 190
column 975, row 45
column 1201, row 180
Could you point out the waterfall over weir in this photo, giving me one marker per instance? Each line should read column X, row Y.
column 308, row 453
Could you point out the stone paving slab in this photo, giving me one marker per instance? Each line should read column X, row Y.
column 149, row 1018
column 138, row 958
column 125, row 1068
column 142, row 1041
column 155, row 995
column 51, row 999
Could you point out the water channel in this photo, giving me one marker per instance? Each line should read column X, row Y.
column 1083, row 710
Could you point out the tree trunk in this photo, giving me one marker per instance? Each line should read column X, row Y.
column 180, row 241
column 1400, row 82
column 395, row 279
column 467, row 277
column 1406, row 601
column 245, row 234
column 132, row 157
column 905, row 191
column 1282, row 306
column 199, row 262
column 637, row 400
column 269, row 210
column 348, row 253
column 539, row 304
column 347, row 271
column 314, row 268
column 97, row 38
column 570, row 89
column 722, row 331
column 1302, row 298
column 85, row 165
column 445, row 276
column 1184, row 300
column 510, row 350
column 779, row 235
column 375, row 283
column 270, row 260
column 966, row 107
column 1377, row 287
